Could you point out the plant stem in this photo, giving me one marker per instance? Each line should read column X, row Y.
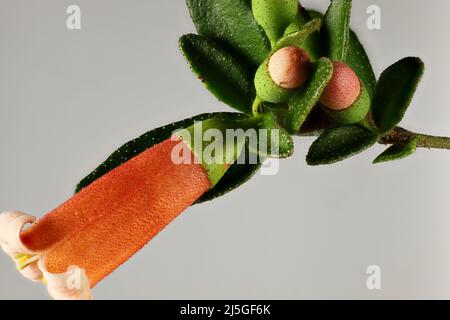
column 256, row 107
column 400, row 135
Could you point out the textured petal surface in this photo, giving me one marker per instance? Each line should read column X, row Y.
column 106, row 223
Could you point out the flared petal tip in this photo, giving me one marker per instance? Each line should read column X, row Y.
column 11, row 224
column 71, row 285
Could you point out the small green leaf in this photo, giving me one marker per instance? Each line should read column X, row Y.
column 284, row 147
column 274, row 16
column 301, row 19
column 337, row 28
column 357, row 57
column 395, row 91
column 397, row 152
column 313, row 43
column 299, row 37
column 338, row 144
column 306, row 97
column 236, row 175
column 223, row 75
column 358, row 60
column 232, row 23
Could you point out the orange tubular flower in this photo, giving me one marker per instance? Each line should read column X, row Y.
column 106, row 223
column 102, row 226
column 78, row 244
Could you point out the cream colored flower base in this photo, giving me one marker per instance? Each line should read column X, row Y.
column 72, row 285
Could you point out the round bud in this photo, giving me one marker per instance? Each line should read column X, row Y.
column 343, row 89
column 355, row 113
column 289, row 67
column 267, row 90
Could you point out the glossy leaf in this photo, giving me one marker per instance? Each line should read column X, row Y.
column 338, row 144
column 358, row 60
column 337, row 28
column 298, row 38
column 274, row 16
column 223, row 75
column 395, row 91
column 397, row 152
column 231, row 22
column 306, row 97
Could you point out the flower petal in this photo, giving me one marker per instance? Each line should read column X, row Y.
column 71, row 285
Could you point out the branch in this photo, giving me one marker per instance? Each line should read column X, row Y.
column 400, row 135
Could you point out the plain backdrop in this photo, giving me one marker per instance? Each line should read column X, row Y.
column 69, row 98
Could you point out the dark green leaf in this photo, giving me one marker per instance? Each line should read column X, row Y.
column 223, row 75
column 299, row 37
column 274, row 16
column 306, row 97
column 395, row 91
column 338, row 144
column 232, row 23
column 398, row 151
column 358, row 60
column 337, row 28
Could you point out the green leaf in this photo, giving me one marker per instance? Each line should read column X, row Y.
column 299, row 37
column 283, row 148
column 357, row 57
column 232, row 23
column 395, row 91
column 301, row 19
column 358, row 60
column 313, row 43
column 337, row 28
column 237, row 175
column 223, row 75
column 338, row 144
column 307, row 96
column 274, row 16
column 397, row 151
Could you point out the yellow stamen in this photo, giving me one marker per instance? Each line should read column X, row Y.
column 26, row 261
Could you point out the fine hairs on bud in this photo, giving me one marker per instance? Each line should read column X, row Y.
column 289, row 67
column 343, row 89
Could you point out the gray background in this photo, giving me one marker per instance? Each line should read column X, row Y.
column 68, row 98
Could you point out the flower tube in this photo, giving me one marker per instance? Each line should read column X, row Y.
column 107, row 222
